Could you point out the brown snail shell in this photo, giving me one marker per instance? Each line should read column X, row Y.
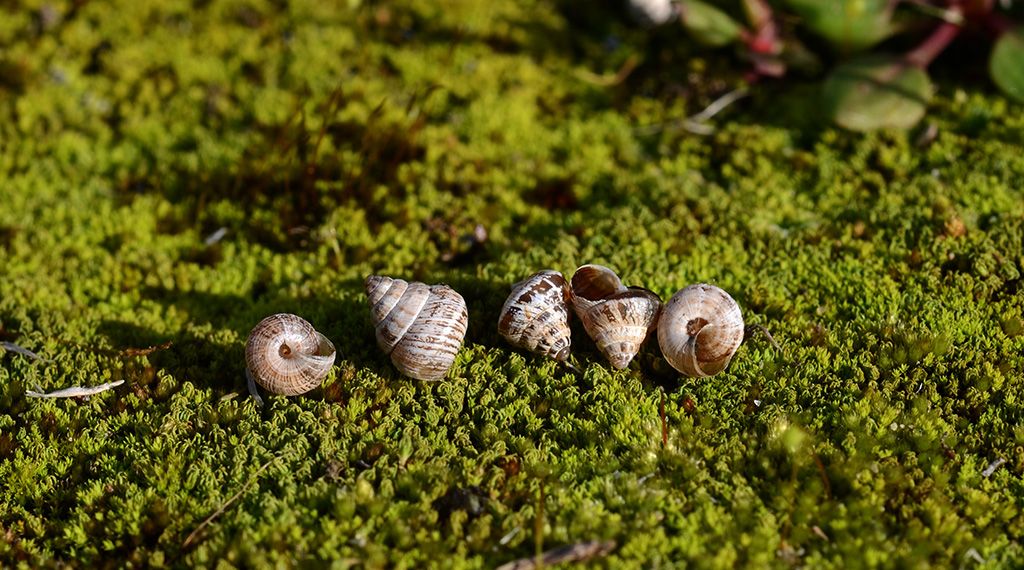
column 285, row 355
column 420, row 326
column 617, row 317
column 700, row 330
column 535, row 316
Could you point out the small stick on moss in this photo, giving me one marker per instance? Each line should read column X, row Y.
column 75, row 391
column 579, row 552
column 220, row 510
column 252, row 388
column 664, row 421
column 148, row 350
column 718, row 105
column 697, row 123
column 11, row 347
column 992, row 467
column 824, row 476
column 538, row 530
column 751, row 329
column 972, row 553
column 215, row 237
column 821, row 534
column 610, row 81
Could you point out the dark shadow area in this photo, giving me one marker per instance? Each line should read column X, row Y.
column 349, row 325
column 186, row 357
column 284, row 173
column 652, row 367
column 8, row 332
column 7, row 235
column 588, row 26
column 125, row 336
column 221, row 366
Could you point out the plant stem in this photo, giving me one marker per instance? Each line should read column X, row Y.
column 952, row 15
column 220, row 510
column 930, row 48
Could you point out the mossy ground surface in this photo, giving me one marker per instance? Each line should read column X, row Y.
column 336, row 142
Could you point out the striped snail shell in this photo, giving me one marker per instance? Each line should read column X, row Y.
column 617, row 317
column 420, row 326
column 535, row 316
column 285, row 355
column 700, row 329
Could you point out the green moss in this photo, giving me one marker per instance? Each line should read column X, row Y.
column 332, row 143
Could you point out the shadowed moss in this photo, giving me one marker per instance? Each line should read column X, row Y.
column 336, row 142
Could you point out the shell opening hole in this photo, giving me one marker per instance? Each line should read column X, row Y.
column 595, row 282
column 695, row 325
column 285, row 351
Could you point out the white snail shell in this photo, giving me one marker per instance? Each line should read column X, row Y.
column 285, row 355
column 420, row 326
column 535, row 316
column 652, row 13
column 700, row 330
column 617, row 317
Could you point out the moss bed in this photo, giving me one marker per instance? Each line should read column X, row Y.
column 334, row 142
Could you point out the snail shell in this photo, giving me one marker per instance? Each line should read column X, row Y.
column 651, row 13
column 535, row 316
column 617, row 317
column 700, row 330
column 420, row 326
column 285, row 355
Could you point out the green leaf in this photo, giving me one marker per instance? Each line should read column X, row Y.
column 708, row 25
column 876, row 92
column 1007, row 64
column 851, row 25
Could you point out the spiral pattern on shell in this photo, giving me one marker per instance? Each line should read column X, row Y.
column 617, row 317
column 420, row 326
column 700, row 330
column 285, row 355
column 535, row 316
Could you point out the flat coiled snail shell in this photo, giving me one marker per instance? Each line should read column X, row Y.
column 285, row 355
column 535, row 316
column 617, row 317
column 420, row 326
column 700, row 329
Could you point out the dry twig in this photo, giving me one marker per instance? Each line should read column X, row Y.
column 252, row 388
column 579, row 552
column 220, row 510
column 75, row 391
column 11, row 347
column 148, row 350
column 697, row 123
column 611, row 80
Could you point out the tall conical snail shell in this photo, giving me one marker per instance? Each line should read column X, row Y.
column 285, row 355
column 700, row 329
column 420, row 326
column 535, row 316
column 617, row 317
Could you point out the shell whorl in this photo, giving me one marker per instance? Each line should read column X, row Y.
column 285, row 355
column 419, row 326
column 535, row 316
column 700, row 330
column 617, row 317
